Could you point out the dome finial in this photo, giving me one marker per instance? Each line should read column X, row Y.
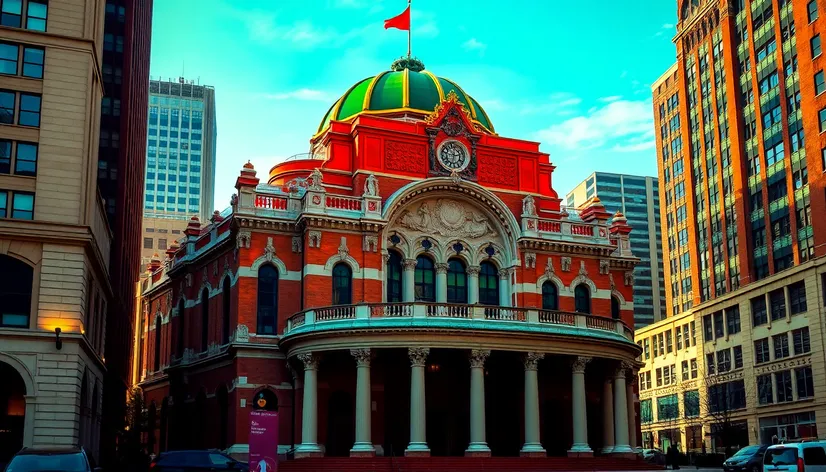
column 407, row 62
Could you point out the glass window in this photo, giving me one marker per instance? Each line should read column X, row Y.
column 33, row 62
column 456, row 281
column 26, row 161
column 425, row 280
column 5, row 156
column 36, row 15
column 719, row 330
column 765, row 390
column 23, row 206
column 781, row 346
column 646, row 412
column 267, row 300
column 758, row 310
column 820, row 85
column 723, row 361
column 4, row 204
column 812, row 10
column 801, row 341
column 777, row 299
column 394, row 274
column 816, row 46
column 805, row 383
column 691, row 403
column 7, row 107
column 582, row 299
column 15, row 288
column 147, row 243
column 668, row 407
column 822, row 116
column 615, row 310
column 761, row 351
column 784, row 386
column 342, row 284
column 12, row 13
column 738, row 356
column 488, row 284
column 8, row 58
column 29, row 110
column 550, row 296
column 797, row 297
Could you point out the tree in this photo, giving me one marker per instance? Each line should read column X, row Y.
column 722, row 401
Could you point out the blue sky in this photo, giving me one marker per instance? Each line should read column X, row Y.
column 574, row 76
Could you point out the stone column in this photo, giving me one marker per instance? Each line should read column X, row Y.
column 418, row 427
column 441, row 282
column 363, row 446
column 504, row 287
column 621, row 412
column 478, row 444
column 607, row 417
column 309, row 445
column 409, row 280
column 473, row 284
column 533, row 447
column 632, row 415
column 580, row 448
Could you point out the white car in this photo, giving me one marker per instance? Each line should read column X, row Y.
column 796, row 457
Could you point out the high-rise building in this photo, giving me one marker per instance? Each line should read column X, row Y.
column 180, row 161
column 122, row 154
column 739, row 121
column 54, row 237
column 637, row 197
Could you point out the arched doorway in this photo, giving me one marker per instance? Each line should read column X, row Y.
column 12, row 411
column 340, row 424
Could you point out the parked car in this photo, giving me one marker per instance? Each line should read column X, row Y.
column 808, row 456
column 654, row 456
column 747, row 459
column 62, row 458
column 196, row 461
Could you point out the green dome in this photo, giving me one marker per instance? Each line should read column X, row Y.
column 406, row 89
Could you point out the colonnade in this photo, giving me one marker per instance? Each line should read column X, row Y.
column 618, row 406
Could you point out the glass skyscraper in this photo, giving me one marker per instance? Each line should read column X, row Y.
column 180, row 151
column 638, row 198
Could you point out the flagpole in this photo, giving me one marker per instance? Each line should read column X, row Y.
column 408, row 31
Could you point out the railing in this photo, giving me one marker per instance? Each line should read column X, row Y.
column 582, row 230
column 270, row 202
column 547, row 226
column 481, row 316
column 343, row 203
column 304, row 156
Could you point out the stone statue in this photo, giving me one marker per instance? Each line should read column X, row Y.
column 528, row 206
column 316, row 180
column 371, row 186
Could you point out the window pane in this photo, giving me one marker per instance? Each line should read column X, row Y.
column 29, row 110
column 26, row 162
column 36, row 16
column 7, row 107
column 12, row 13
column 8, row 59
column 33, row 62
column 23, row 206
column 3, row 204
column 5, row 156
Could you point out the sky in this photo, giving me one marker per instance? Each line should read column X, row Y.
column 574, row 76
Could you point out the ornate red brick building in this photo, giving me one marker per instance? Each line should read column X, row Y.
column 410, row 287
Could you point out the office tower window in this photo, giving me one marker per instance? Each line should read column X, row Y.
column 36, row 13
column 820, row 86
column 147, row 243
column 805, row 383
column 816, row 46
column 784, row 386
column 761, row 351
column 812, row 10
column 765, row 389
column 822, row 117
column 738, row 356
column 781, row 346
column 732, row 320
column 800, row 338
column 29, row 110
column 797, row 297
column 777, row 299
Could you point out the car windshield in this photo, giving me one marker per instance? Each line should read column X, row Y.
column 780, row 456
column 747, row 451
column 48, row 463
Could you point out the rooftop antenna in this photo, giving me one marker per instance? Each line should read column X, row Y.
column 183, row 68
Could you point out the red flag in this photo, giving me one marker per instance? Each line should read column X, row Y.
column 401, row 21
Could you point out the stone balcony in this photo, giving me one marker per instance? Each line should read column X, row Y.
column 384, row 316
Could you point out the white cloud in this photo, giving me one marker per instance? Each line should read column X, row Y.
column 610, row 98
column 622, row 125
column 301, row 94
column 668, row 26
column 474, row 44
column 558, row 103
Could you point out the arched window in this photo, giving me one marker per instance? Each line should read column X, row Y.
column 204, row 319
column 615, row 308
column 550, row 296
column 15, row 292
column 582, row 298
column 267, row 300
column 456, row 281
column 394, row 278
column 156, row 362
column 425, row 280
column 488, row 284
column 342, row 284
column 179, row 348
column 225, row 299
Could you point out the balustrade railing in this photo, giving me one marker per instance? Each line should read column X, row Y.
column 270, row 202
column 582, row 230
column 472, row 313
column 549, row 226
column 343, row 203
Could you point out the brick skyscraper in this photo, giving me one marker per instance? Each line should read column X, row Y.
column 739, row 122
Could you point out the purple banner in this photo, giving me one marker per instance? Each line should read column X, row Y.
column 263, row 441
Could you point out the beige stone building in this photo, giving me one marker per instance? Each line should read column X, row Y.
column 759, row 363
column 159, row 234
column 54, row 238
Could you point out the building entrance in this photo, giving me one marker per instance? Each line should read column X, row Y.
column 12, row 412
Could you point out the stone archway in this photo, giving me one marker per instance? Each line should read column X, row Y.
column 12, row 412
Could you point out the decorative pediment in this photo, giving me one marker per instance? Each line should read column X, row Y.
column 455, row 153
column 451, row 116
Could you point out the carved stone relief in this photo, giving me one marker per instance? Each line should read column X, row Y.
column 530, row 260
column 447, row 217
column 315, row 238
column 297, row 244
column 604, row 266
column 371, row 243
column 566, row 264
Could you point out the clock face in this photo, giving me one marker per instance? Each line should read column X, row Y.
column 453, row 155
